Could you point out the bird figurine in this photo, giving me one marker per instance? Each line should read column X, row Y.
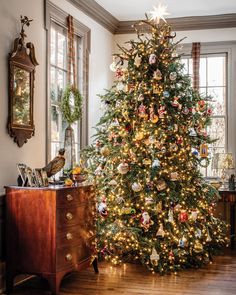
column 54, row 166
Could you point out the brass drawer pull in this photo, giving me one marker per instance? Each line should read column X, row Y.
column 69, row 216
column 69, row 236
column 69, row 198
column 68, row 257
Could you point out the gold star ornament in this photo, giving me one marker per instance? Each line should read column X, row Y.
column 159, row 13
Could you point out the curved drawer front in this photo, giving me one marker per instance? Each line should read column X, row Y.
column 69, row 257
column 72, row 196
column 71, row 216
column 74, row 236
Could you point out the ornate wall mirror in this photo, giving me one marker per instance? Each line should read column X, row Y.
column 22, row 63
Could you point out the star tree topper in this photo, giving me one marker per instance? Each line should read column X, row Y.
column 159, row 13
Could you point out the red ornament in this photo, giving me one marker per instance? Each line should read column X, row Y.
column 183, row 216
column 179, row 140
column 119, row 73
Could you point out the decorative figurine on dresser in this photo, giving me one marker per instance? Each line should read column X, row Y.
column 50, row 232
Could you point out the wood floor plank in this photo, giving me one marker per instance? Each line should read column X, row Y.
column 218, row 278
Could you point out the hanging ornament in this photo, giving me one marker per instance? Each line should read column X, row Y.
column 193, row 216
column 171, row 256
column 175, row 102
column 160, row 232
column 163, row 150
column 153, row 116
column 156, row 163
column 105, row 151
column 113, row 66
column 179, row 140
column 195, row 153
column 201, row 105
column 136, row 187
column 127, row 211
column 183, row 242
column 146, row 221
column 183, row 216
column 152, row 139
column 154, row 257
column 162, row 111
column 139, row 135
column 209, row 112
column 112, row 182
column 98, row 170
column 129, row 87
column 140, row 97
column 149, row 200
column 192, row 132
column 170, row 216
column 173, row 147
column 198, row 233
column 185, row 111
column 176, row 127
column 203, row 150
column 159, row 207
column 120, row 86
column 123, row 168
column 102, row 209
column 157, row 75
column 161, row 185
column 119, row 73
column 166, row 94
column 198, row 247
column 128, row 127
column 142, row 111
column 120, row 200
column 152, row 59
column 137, row 61
column 173, row 76
column 177, row 207
column 174, row 176
column 156, row 89
column 208, row 239
column 147, row 161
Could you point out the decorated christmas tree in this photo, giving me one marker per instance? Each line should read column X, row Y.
column 154, row 206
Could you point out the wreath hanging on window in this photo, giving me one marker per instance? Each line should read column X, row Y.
column 69, row 112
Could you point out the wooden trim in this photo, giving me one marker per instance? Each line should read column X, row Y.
column 57, row 15
column 188, row 23
column 98, row 13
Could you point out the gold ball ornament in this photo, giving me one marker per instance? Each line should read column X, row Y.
column 139, row 135
column 105, row 151
column 123, row 168
column 198, row 247
column 147, row 161
column 154, row 119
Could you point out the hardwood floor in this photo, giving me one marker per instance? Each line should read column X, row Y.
column 219, row 278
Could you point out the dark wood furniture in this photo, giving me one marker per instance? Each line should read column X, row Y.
column 229, row 196
column 50, row 232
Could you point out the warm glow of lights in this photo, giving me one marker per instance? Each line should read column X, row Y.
column 159, row 13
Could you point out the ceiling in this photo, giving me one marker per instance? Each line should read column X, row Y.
column 125, row 10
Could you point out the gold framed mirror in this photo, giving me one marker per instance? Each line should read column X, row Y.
column 22, row 63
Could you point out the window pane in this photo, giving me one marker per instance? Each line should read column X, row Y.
column 218, row 100
column 202, row 72
column 217, row 131
column 212, row 169
column 53, row 87
column 53, row 46
column 185, row 63
column 61, row 53
column 55, row 123
column 216, row 71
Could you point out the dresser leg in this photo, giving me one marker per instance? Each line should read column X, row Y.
column 95, row 265
column 54, row 281
column 9, row 283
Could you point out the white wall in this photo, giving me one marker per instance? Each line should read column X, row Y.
column 34, row 152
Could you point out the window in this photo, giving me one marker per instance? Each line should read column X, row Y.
column 213, row 83
column 57, row 75
column 58, row 82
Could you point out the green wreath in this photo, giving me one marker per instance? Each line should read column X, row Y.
column 71, row 113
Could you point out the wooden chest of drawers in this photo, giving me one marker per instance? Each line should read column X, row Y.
column 50, row 232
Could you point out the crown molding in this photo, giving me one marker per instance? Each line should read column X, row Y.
column 98, row 13
column 188, row 23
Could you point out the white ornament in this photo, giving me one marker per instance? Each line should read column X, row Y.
column 123, row 168
column 120, row 86
column 154, row 257
column 113, row 66
column 113, row 182
column 193, row 215
column 149, row 200
column 170, row 216
column 160, row 232
column 152, row 59
column 137, row 61
column 136, row 187
column 140, row 97
column 156, row 163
